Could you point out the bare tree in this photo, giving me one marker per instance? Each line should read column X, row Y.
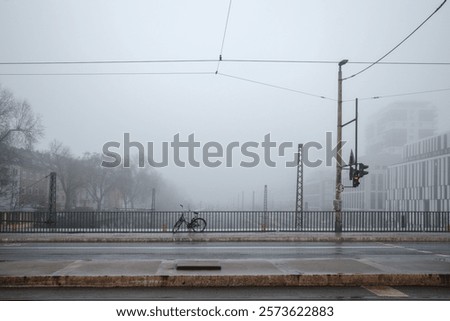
column 126, row 186
column 69, row 170
column 99, row 180
column 135, row 186
column 145, row 181
column 19, row 126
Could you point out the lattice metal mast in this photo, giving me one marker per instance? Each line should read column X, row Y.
column 299, row 193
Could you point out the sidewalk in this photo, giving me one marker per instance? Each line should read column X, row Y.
column 228, row 237
column 425, row 270
column 245, row 273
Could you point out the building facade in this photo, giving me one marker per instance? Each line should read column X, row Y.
column 370, row 194
column 421, row 182
column 396, row 126
column 25, row 183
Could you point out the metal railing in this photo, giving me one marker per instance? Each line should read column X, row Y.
column 222, row 221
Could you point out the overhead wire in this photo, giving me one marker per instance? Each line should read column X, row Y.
column 18, row 188
column 80, row 62
column 224, row 36
column 399, row 44
column 225, row 75
column 186, row 61
column 109, row 73
column 276, row 86
column 333, row 62
column 370, row 64
column 401, row 94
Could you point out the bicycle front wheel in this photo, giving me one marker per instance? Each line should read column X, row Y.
column 198, row 225
column 177, row 225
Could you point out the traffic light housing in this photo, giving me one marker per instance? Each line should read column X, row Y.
column 355, row 178
column 357, row 172
column 362, row 169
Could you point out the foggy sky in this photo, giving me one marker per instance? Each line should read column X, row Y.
column 84, row 112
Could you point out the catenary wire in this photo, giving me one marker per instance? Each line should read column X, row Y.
column 177, row 61
column 401, row 94
column 275, row 86
column 82, row 62
column 399, row 44
column 109, row 73
column 224, row 36
column 222, row 74
column 334, row 62
column 18, row 188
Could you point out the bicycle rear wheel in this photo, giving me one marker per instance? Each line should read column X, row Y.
column 177, row 225
column 198, row 225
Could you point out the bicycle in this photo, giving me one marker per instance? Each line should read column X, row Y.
column 197, row 224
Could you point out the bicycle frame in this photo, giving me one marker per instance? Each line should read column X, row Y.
column 196, row 224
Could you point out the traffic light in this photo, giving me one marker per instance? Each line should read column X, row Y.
column 355, row 178
column 356, row 170
column 362, row 170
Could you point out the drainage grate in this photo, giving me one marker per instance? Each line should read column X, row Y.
column 198, row 265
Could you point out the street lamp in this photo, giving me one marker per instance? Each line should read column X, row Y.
column 339, row 187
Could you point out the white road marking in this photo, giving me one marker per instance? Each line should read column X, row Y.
column 415, row 250
column 442, row 255
column 386, row 291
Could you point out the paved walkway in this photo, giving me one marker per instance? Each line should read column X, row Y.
column 392, row 271
column 204, row 273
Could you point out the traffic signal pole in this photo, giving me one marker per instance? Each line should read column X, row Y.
column 339, row 187
column 359, row 169
column 356, row 131
column 354, row 157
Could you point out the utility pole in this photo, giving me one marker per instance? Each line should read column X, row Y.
column 299, row 194
column 339, row 187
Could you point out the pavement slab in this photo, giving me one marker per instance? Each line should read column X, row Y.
column 31, row 268
column 110, row 268
column 150, row 273
column 365, row 270
column 327, row 266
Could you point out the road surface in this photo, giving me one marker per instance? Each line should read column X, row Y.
column 256, row 293
column 217, row 250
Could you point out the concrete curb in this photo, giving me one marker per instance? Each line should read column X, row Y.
column 329, row 280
